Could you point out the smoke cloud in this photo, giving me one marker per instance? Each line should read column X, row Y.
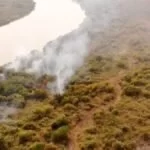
column 6, row 111
column 2, row 77
column 63, row 56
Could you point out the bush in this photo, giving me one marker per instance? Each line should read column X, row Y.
column 117, row 145
column 59, row 123
column 58, row 98
column 29, row 126
column 98, row 117
column 17, row 100
column 37, row 146
column 122, row 65
column 41, row 112
column 145, row 136
column 108, row 98
column 3, row 99
column 146, row 94
column 3, row 145
column 148, row 87
column 139, row 82
column 60, row 135
column 85, row 99
column 70, row 107
column 99, row 58
column 89, row 145
column 107, row 88
column 40, row 94
column 92, row 130
column 132, row 91
column 46, row 134
column 9, row 89
column 51, row 147
column 128, row 78
column 25, row 136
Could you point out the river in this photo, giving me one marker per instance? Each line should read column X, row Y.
column 49, row 20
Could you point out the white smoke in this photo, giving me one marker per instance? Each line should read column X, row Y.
column 6, row 111
column 2, row 77
column 62, row 57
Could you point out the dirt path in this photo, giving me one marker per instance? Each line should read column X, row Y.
column 116, row 82
column 87, row 116
column 86, row 121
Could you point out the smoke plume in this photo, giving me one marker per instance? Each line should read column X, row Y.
column 6, row 111
column 63, row 56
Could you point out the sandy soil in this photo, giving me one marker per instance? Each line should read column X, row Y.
column 11, row 10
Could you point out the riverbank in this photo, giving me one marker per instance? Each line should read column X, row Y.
column 11, row 10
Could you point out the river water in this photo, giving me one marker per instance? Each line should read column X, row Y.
column 49, row 20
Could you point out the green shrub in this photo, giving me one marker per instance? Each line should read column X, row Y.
column 41, row 112
column 145, row 136
column 123, row 145
column 65, row 100
column 46, row 134
column 108, row 98
column 107, row 88
column 146, row 94
column 91, row 130
column 9, row 89
column 40, row 94
column 117, row 145
column 30, row 126
column 37, row 146
column 85, row 99
column 3, row 99
column 98, row 117
column 89, row 145
column 139, row 82
column 3, row 145
column 132, row 91
column 17, row 100
column 58, row 98
column 148, row 87
column 59, row 123
column 99, row 58
column 125, row 129
column 51, row 147
column 93, row 69
column 121, row 65
column 60, row 135
column 24, row 79
column 128, row 78
column 25, row 136
column 69, row 107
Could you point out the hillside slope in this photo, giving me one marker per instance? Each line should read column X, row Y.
column 105, row 107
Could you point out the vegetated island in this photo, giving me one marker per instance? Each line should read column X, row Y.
column 11, row 10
